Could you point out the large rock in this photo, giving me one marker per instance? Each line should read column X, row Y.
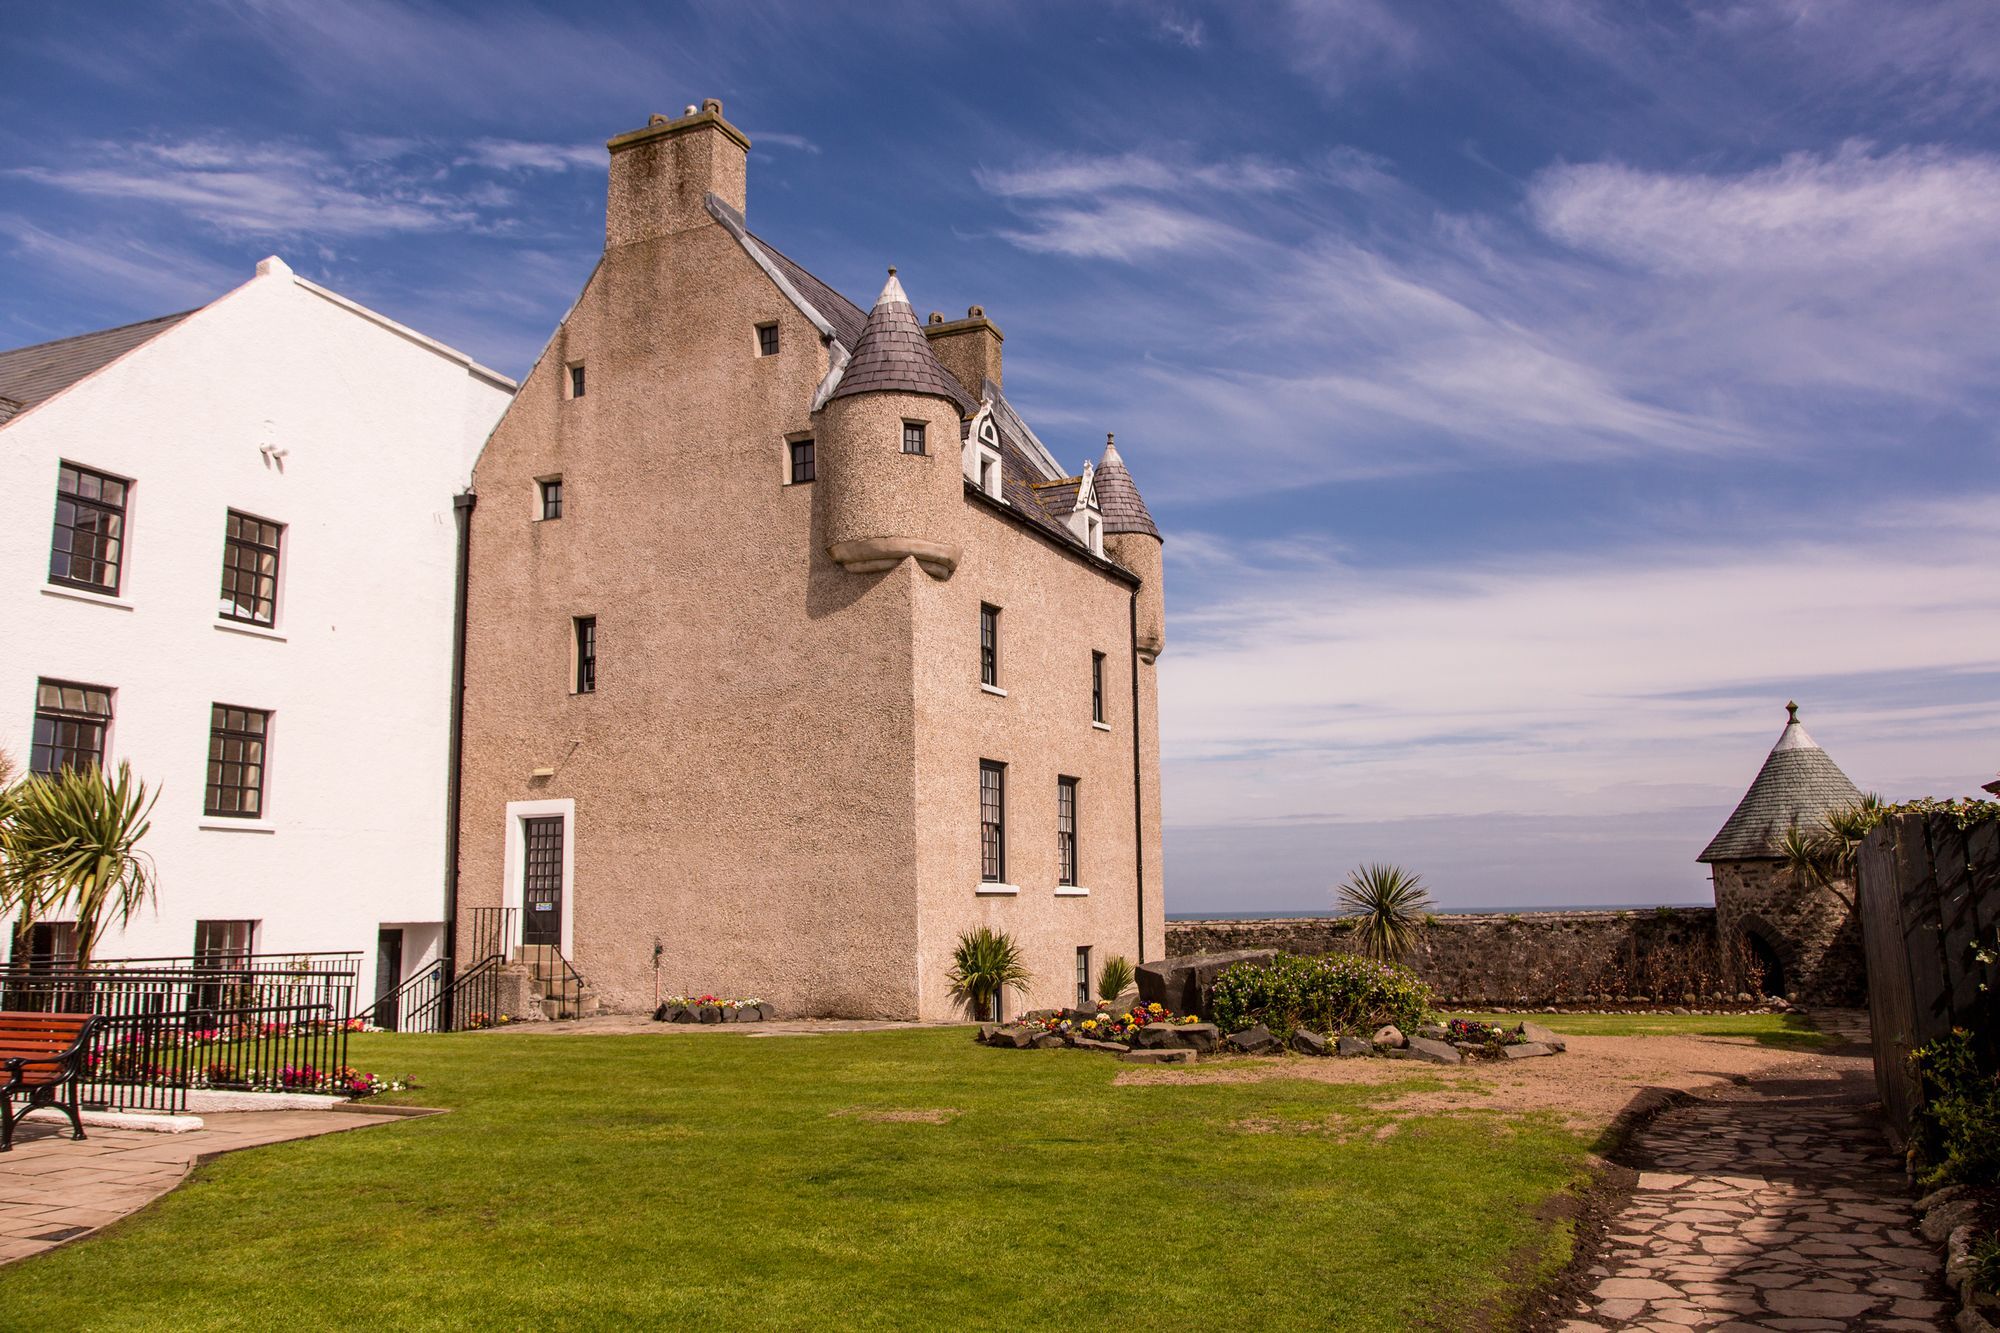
column 1048, row 1041
column 1526, row 1050
column 1157, row 1036
column 1198, row 1036
column 1434, row 1031
column 1391, row 1037
column 1182, row 984
column 1354, row 1046
column 1541, row 1036
column 1251, row 1041
column 1161, row 1057
column 1307, row 1042
column 708, row 1013
column 1093, row 1044
column 1014, row 1038
column 1436, row 1052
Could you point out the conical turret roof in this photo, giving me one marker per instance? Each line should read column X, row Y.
column 892, row 355
column 1118, row 496
column 1798, row 784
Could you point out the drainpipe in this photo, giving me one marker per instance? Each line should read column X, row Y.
column 1138, row 797
column 461, row 511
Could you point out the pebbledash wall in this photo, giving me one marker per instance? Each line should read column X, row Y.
column 1533, row 958
column 287, row 401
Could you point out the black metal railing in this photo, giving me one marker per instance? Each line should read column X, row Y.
column 414, row 1006
column 166, row 1029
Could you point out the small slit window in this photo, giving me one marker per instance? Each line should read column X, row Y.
column 802, row 464
column 576, row 380
column 586, row 654
column 989, row 645
column 552, row 497
column 913, row 437
column 767, row 340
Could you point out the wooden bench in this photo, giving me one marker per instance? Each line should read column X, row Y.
column 43, row 1056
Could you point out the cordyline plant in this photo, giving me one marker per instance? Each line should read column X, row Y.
column 69, row 842
column 1388, row 906
column 1823, row 857
column 984, row 963
column 1115, row 977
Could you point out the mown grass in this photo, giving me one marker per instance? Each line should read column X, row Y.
column 1788, row 1031
column 715, row 1180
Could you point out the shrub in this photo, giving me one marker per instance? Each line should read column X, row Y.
column 1115, row 977
column 984, row 963
column 1955, row 1135
column 1330, row 993
column 1388, row 905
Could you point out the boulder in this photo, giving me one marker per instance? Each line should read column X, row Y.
column 1391, row 1036
column 683, row 1014
column 1012, row 1036
column 1157, row 1036
column 1251, row 1041
column 708, row 1013
column 1078, row 1015
column 1159, row 1057
column 1434, row 1031
column 670, row 1013
column 759, row 1013
column 1048, row 1041
column 1198, row 1036
column 1354, row 1046
column 730, row 1013
column 1307, row 1042
column 1093, row 1044
column 1541, row 1036
column 1125, row 1002
column 1526, row 1050
column 1182, row 984
column 1435, row 1052
column 984, row 1032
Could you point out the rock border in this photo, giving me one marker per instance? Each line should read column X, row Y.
column 715, row 1013
column 1955, row 1218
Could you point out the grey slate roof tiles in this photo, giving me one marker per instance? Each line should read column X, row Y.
column 32, row 375
column 894, row 356
column 1118, row 496
column 1799, row 784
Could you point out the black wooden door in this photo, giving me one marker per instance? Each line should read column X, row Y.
column 541, row 887
column 388, row 977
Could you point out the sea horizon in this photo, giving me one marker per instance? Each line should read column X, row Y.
column 1280, row 914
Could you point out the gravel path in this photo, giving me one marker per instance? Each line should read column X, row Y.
column 1776, row 1205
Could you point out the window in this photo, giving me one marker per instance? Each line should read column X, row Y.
column 1066, row 831
column 70, row 724
column 222, row 947
column 989, row 645
column 1083, row 976
column 576, row 380
column 586, row 654
column 1097, row 687
column 87, row 550
column 236, row 738
column 913, row 437
column 250, row 570
column 989, row 471
column 767, row 340
column 551, row 488
column 802, row 460
column 1094, row 535
column 992, row 821
column 50, row 945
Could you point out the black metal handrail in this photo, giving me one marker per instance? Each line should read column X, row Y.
column 405, row 1008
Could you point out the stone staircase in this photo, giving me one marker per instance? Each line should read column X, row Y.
column 538, row 984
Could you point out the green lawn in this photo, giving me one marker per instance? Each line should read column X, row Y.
column 1784, row 1030
column 714, row 1181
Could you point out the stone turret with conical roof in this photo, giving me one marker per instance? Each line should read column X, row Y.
column 1133, row 540
column 1802, row 931
column 888, row 438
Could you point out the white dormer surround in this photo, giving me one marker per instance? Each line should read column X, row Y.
column 980, row 455
column 1086, row 520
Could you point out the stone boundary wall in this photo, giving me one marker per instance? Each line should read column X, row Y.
column 1529, row 958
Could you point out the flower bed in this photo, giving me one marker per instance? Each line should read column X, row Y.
column 712, row 1009
column 1326, row 993
column 1103, row 1028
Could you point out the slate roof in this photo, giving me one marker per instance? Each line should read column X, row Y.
column 893, row 355
column 1798, row 784
column 32, row 375
column 1058, row 497
column 1119, row 498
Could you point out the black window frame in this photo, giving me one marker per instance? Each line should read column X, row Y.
column 236, row 546
column 1068, row 858
column 1083, row 996
column 913, row 433
column 992, row 822
column 583, row 642
column 1096, row 686
column 230, row 724
column 110, row 538
column 804, row 461
column 577, row 383
column 46, row 737
column 989, row 645
column 551, row 492
column 767, row 339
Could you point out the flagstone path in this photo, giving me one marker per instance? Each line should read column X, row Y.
column 1776, row 1205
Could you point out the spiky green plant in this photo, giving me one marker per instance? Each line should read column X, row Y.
column 984, row 963
column 1115, row 977
column 1388, row 905
column 70, row 843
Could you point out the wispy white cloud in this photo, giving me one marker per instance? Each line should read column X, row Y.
column 780, row 139
column 1069, row 175
column 1121, row 229
column 525, row 155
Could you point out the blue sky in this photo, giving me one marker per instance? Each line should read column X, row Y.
column 1535, row 395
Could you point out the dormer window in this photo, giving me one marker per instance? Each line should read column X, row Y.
column 1086, row 520
column 982, row 453
column 913, row 437
column 1094, row 535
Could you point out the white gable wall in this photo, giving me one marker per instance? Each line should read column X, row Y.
column 380, row 431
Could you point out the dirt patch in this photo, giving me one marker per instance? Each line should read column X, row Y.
column 929, row 1115
column 1587, row 1086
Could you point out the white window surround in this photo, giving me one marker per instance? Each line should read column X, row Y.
column 535, row 496
column 1071, row 891
column 518, row 813
column 979, row 457
column 237, row 825
column 569, row 380
column 1100, row 726
column 254, row 631
column 989, row 889
column 92, row 598
column 992, row 689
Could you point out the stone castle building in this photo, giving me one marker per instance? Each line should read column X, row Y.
column 1806, row 935
column 791, row 652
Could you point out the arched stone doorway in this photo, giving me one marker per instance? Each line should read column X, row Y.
column 1768, row 960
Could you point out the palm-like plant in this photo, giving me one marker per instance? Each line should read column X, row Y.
column 1115, row 977
column 1388, row 905
column 70, row 841
column 984, row 963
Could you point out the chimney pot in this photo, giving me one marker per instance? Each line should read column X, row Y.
column 937, row 317
column 975, row 312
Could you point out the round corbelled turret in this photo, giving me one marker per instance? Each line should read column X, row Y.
column 883, row 502
column 1133, row 540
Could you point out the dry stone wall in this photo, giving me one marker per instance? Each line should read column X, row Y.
column 1533, row 958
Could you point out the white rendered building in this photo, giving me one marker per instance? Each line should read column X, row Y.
column 229, row 557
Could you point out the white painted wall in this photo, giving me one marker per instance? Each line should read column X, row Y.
column 381, row 428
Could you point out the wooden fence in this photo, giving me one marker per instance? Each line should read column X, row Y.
column 1928, row 893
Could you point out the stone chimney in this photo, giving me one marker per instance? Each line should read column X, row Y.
column 969, row 347
column 661, row 176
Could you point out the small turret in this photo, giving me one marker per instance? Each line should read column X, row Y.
column 1132, row 539
column 888, row 438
